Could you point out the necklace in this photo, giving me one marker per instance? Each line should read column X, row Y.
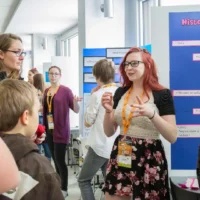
column 109, row 85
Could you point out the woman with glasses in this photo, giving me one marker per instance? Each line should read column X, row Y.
column 144, row 110
column 58, row 100
column 11, row 56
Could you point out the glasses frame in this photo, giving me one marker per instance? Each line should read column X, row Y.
column 18, row 53
column 126, row 64
column 54, row 74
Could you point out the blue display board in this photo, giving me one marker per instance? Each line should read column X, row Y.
column 184, row 44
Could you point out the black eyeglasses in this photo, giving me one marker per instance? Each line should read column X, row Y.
column 54, row 74
column 18, row 53
column 133, row 64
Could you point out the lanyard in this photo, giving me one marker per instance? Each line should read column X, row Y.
column 126, row 123
column 109, row 85
column 50, row 98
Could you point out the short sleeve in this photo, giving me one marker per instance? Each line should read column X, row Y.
column 165, row 102
column 118, row 94
column 116, row 97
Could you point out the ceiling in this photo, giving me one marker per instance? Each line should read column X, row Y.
column 38, row 16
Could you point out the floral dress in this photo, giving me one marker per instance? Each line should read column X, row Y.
column 147, row 179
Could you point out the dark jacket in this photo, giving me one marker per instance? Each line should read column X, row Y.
column 29, row 161
column 4, row 76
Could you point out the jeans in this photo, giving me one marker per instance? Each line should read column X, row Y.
column 47, row 152
column 91, row 165
column 58, row 151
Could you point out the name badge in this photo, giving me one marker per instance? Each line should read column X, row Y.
column 50, row 121
column 124, row 156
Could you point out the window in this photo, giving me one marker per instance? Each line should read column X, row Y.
column 27, row 63
column 145, row 20
column 69, row 48
column 73, row 47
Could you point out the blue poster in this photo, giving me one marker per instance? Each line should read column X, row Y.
column 184, row 47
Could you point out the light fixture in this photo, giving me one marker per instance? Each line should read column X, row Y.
column 108, row 8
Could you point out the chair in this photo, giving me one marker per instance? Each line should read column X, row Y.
column 182, row 194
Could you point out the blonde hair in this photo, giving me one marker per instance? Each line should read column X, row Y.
column 16, row 97
column 6, row 40
column 104, row 70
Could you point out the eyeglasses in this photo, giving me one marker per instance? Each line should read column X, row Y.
column 54, row 74
column 133, row 64
column 18, row 53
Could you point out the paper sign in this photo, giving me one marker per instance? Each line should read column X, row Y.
column 188, row 131
column 186, row 43
column 186, row 93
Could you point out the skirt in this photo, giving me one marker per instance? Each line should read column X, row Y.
column 147, row 179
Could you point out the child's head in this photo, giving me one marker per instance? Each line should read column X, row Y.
column 104, row 71
column 31, row 73
column 18, row 108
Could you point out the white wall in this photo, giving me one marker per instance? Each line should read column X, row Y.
column 101, row 31
column 98, row 31
column 41, row 55
column 160, row 52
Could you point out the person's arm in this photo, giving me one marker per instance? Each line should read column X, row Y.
column 73, row 100
column 91, row 110
column 109, row 123
column 76, row 107
column 166, row 125
column 9, row 174
column 165, row 122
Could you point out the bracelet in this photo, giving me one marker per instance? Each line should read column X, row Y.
column 153, row 115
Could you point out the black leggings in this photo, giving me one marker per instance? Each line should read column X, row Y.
column 58, row 151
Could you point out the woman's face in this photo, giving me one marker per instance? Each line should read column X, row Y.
column 54, row 75
column 11, row 58
column 30, row 77
column 135, row 66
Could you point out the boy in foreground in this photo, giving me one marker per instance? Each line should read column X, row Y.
column 19, row 106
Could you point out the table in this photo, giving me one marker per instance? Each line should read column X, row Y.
column 179, row 193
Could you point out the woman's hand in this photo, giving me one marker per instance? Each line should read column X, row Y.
column 41, row 139
column 75, row 103
column 33, row 137
column 107, row 101
column 77, row 99
column 142, row 109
